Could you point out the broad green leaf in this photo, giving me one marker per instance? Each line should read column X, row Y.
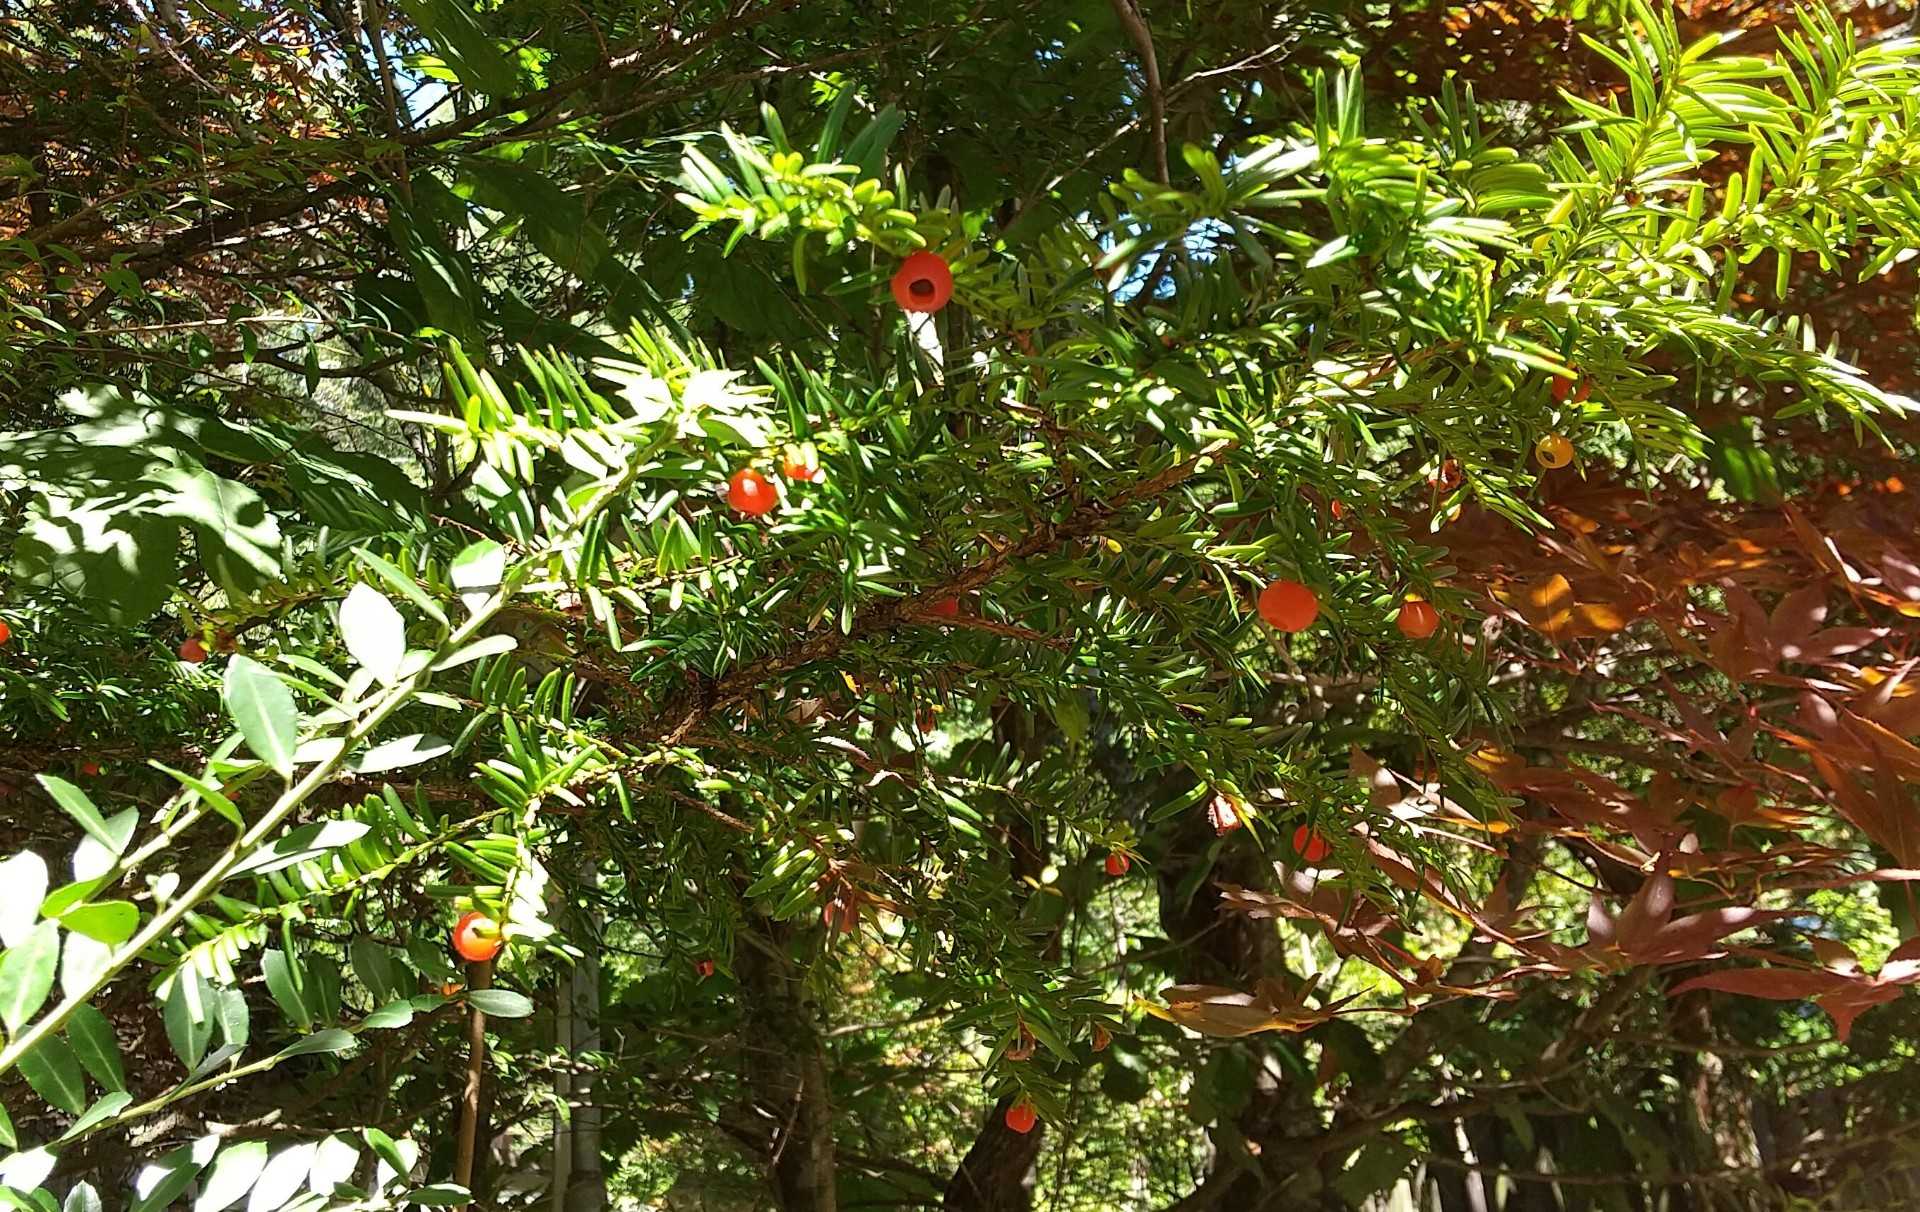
column 501, row 1003
column 117, row 563
column 111, row 922
column 281, row 1178
column 213, row 797
column 231, row 1176
column 334, row 1162
column 81, row 960
column 26, row 975
column 403, row 584
column 92, row 858
column 83, row 1198
column 373, row 632
column 188, row 1016
column 7, row 1138
column 102, row 1110
column 263, row 707
column 373, row 964
column 476, row 572
column 26, row 1171
column 94, row 1044
column 231, row 1016
column 159, row 1184
column 283, row 982
column 333, row 1039
column 299, row 845
column 487, row 646
column 400, row 753
column 78, row 806
column 23, row 885
column 394, row 1014
column 389, row 1150
column 53, row 1071
column 440, row 1195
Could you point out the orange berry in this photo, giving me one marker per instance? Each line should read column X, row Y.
column 1337, row 508
column 1288, row 606
column 6, row 632
column 476, row 938
column 796, row 468
column 1448, row 477
column 1563, row 387
column 1553, row 451
column 1021, row 1117
column 704, row 968
column 924, row 282
column 1309, row 845
column 193, row 651
column 1117, row 864
column 751, row 493
column 89, row 768
column 1417, row 620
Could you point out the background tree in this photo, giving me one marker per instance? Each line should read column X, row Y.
column 474, row 462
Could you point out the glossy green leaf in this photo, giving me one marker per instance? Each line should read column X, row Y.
column 263, row 708
column 92, row 1038
column 26, row 975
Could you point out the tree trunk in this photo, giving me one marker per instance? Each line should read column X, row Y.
column 998, row 1171
column 586, row 1189
column 787, row 1073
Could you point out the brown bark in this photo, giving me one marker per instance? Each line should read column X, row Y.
column 998, row 1171
column 787, row 1073
column 479, row 976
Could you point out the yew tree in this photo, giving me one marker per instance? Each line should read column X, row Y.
column 983, row 606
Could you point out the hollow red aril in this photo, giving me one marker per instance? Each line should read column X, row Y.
column 924, row 282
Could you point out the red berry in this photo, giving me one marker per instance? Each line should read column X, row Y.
column 193, row 651
column 924, row 282
column 751, row 493
column 1337, row 508
column 476, row 938
column 1309, row 845
column 1448, row 477
column 1101, row 1038
column 704, row 968
column 1021, row 1117
column 6, row 632
column 795, row 468
column 1289, row 606
column 1564, row 387
column 1417, row 620
column 946, row 608
column 1224, row 815
column 89, row 768
column 1117, row 864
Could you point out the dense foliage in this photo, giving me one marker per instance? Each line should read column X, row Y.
column 1360, row 660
